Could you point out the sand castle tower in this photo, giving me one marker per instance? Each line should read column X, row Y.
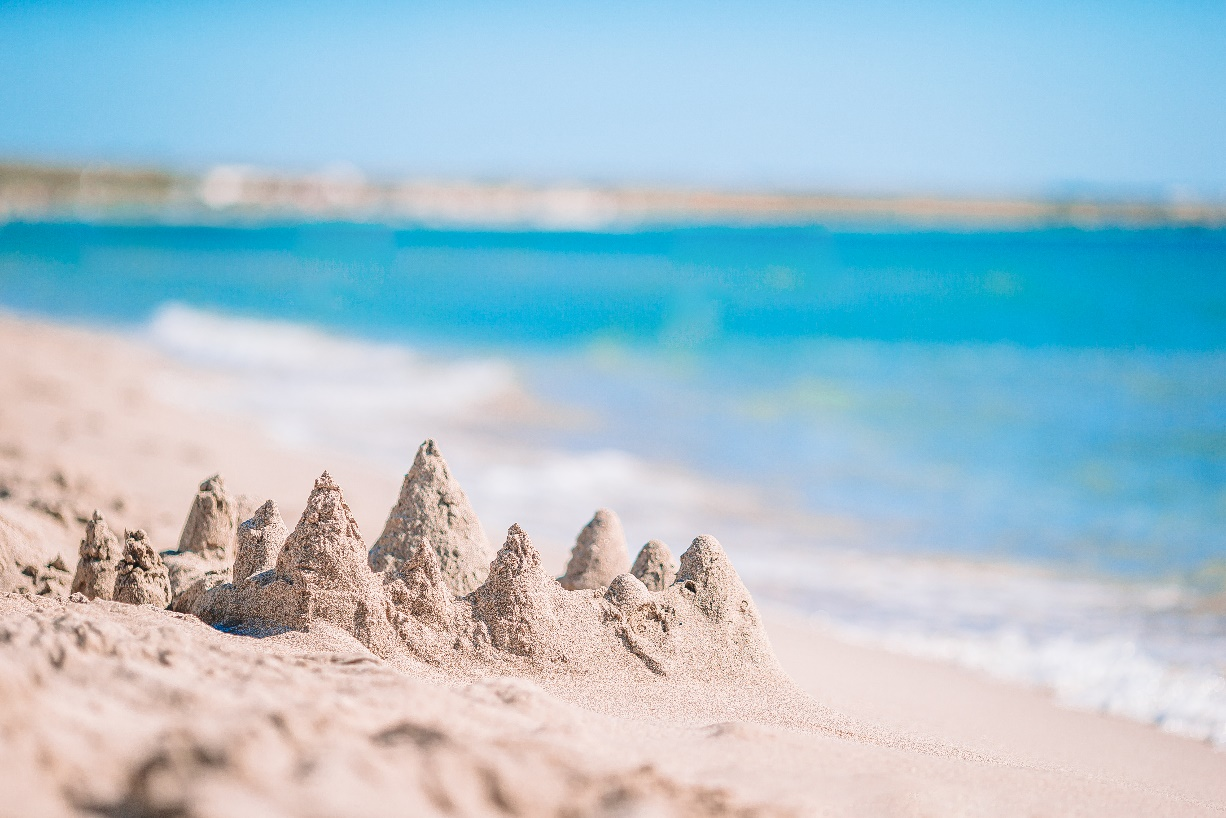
column 212, row 523
column 142, row 578
column 654, row 566
column 433, row 511
column 516, row 602
column 99, row 560
column 321, row 573
column 599, row 554
column 208, row 542
column 260, row 540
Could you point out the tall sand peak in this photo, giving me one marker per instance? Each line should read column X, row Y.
column 654, row 566
column 599, row 554
column 98, row 563
column 260, row 540
column 433, row 509
column 516, row 602
column 212, row 522
column 142, row 578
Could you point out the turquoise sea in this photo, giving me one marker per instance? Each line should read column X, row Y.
column 1025, row 431
column 1053, row 395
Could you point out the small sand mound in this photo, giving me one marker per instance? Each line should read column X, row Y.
column 142, row 578
column 99, row 559
column 31, row 549
column 420, row 590
column 654, row 566
column 433, row 509
column 259, row 541
column 599, row 554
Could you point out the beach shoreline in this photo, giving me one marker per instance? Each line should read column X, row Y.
column 83, row 427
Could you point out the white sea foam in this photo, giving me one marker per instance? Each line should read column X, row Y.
column 1141, row 652
column 379, row 401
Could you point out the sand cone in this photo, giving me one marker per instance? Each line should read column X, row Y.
column 142, row 578
column 99, row 560
column 654, row 566
column 260, row 540
column 599, row 554
column 321, row 573
column 420, row 590
column 212, row 524
column 432, row 508
column 707, row 573
column 515, row 601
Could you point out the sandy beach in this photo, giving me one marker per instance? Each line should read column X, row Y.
column 122, row 709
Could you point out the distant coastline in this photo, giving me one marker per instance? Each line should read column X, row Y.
column 228, row 193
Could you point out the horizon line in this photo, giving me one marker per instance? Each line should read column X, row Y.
column 233, row 192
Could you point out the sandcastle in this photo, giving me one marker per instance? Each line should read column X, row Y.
column 142, row 578
column 654, row 566
column 432, row 509
column 98, row 561
column 260, row 540
column 208, row 543
column 599, row 554
column 420, row 593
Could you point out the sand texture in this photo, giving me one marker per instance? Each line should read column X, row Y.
column 307, row 672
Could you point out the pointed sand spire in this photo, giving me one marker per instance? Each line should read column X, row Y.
column 323, row 575
column 515, row 601
column 260, row 540
column 599, row 554
column 212, row 523
column 433, row 509
column 707, row 573
column 99, row 560
column 654, row 566
column 420, row 590
column 142, row 578
column 326, row 542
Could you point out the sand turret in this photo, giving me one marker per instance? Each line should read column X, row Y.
column 599, row 554
column 207, row 544
column 516, row 602
column 142, row 578
column 98, row 564
column 433, row 509
column 260, row 540
column 654, row 566
column 212, row 523
column 707, row 573
column 326, row 542
column 320, row 575
column 420, row 590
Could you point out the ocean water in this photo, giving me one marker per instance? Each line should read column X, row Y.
column 1006, row 450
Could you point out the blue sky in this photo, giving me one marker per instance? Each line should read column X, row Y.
column 951, row 97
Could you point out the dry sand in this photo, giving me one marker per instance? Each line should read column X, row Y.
column 387, row 694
